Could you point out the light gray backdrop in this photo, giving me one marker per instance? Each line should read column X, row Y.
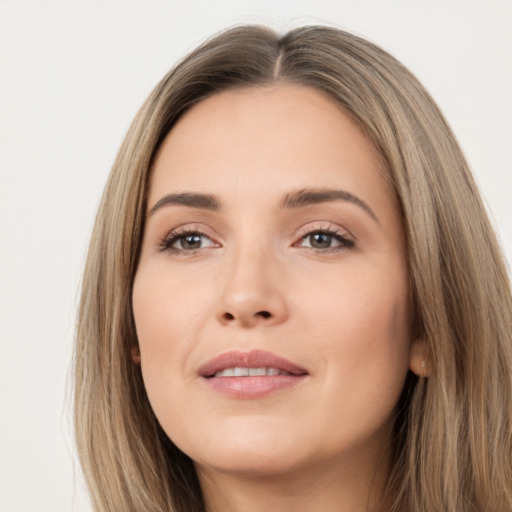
column 72, row 75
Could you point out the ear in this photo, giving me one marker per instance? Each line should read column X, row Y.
column 418, row 360
column 136, row 355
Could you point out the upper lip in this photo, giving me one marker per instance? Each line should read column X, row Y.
column 251, row 359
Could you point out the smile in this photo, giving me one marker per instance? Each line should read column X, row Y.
column 250, row 375
column 250, row 372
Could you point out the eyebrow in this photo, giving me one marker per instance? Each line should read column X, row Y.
column 192, row 200
column 308, row 196
column 296, row 199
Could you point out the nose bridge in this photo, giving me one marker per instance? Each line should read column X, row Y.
column 251, row 293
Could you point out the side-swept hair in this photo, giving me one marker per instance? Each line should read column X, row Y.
column 452, row 445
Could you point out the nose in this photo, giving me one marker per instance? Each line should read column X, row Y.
column 251, row 293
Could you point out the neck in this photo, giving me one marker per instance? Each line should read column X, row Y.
column 329, row 488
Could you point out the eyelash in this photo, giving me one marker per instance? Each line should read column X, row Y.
column 167, row 242
column 345, row 242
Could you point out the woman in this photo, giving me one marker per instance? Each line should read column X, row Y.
column 293, row 297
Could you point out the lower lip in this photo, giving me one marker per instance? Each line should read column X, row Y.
column 253, row 387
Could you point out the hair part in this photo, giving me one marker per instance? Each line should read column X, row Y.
column 453, row 444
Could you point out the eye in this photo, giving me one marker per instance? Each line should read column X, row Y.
column 326, row 240
column 185, row 241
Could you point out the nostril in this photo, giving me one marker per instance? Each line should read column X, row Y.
column 229, row 317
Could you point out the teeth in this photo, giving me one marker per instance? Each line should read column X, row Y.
column 252, row 372
column 257, row 371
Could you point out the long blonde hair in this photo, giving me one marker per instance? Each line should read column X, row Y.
column 452, row 445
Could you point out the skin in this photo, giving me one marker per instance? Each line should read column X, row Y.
column 341, row 312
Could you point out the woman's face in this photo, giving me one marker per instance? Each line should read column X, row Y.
column 273, row 247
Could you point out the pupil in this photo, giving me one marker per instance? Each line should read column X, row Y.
column 192, row 242
column 320, row 240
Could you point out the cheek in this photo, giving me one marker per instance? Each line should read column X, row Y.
column 169, row 314
column 168, row 307
column 362, row 334
column 361, row 325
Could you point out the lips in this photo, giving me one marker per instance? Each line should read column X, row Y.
column 251, row 374
column 252, row 359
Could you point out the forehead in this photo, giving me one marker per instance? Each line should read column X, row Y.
column 266, row 139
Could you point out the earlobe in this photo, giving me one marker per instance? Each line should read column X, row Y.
column 136, row 355
column 418, row 360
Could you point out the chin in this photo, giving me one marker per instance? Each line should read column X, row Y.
column 258, row 452
column 250, row 464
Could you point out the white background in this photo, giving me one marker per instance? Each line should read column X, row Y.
column 73, row 74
